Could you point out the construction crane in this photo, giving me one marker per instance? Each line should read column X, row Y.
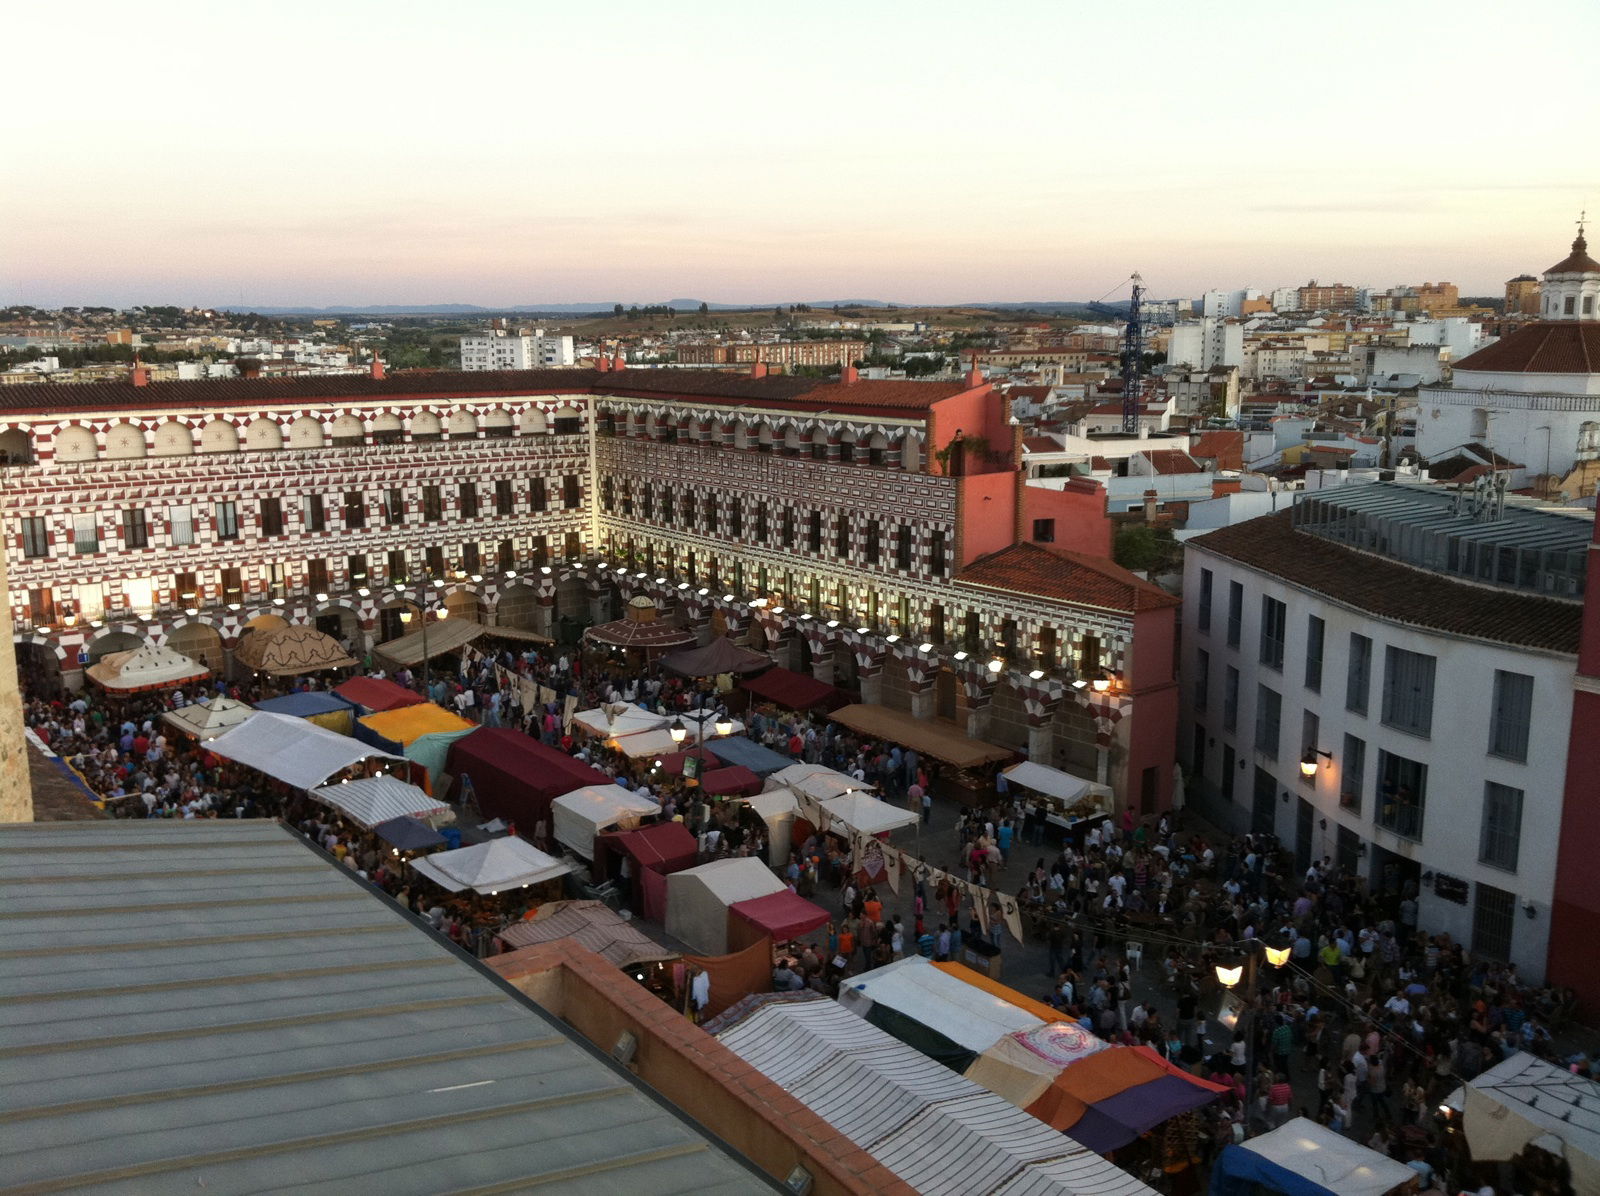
column 1132, row 354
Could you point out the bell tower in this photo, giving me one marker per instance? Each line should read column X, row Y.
column 1571, row 287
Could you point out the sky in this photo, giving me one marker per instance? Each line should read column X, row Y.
column 498, row 153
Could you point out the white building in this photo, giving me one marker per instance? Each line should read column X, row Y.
column 1222, row 304
column 1206, row 343
column 1420, row 659
column 1533, row 396
column 1285, row 299
column 500, row 350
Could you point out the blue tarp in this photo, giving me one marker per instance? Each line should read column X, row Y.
column 736, row 749
column 304, row 705
column 1241, row 1172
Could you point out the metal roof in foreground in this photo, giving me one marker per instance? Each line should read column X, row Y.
column 216, row 1007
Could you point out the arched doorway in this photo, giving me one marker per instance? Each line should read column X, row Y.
column 38, row 669
column 464, row 604
column 340, row 622
column 391, row 623
column 518, row 607
column 198, row 642
column 113, row 641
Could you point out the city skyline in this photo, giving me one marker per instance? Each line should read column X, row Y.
column 511, row 156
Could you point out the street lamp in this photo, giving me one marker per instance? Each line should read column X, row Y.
column 1308, row 762
column 405, row 621
column 1229, row 976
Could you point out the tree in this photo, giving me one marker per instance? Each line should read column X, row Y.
column 1141, row 548
column 617, row 311
column 705, row 309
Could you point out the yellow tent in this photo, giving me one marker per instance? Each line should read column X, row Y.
column 407, row 723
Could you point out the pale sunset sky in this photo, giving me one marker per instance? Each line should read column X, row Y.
column 345, row 152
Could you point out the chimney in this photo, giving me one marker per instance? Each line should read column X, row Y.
column 619, row 362
column 849, row 375
column 1150, row 505
column 140, row 376
column 603, row 364
column 974, row 376
column 377, row 367
column 758, row 369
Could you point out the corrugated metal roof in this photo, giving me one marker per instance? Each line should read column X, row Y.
column 215, row 1005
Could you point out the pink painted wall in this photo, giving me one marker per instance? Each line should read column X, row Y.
column 987, row 507
column 1153, row 733
column 1079, row 510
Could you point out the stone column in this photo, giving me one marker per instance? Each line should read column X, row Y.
column 544, row 612
column 822, row 665
column 16, row 789
column 869, row 672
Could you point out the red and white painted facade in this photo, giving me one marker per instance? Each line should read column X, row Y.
column 909, row 483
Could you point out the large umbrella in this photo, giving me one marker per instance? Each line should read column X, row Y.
column 408, row 834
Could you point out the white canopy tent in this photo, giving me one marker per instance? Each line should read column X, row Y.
column 935, row 1129
column 491, row 867
column 961, row 1012
column 867, row 814
column 816, row 781
column 1330, row 1160
column 377, row 799
column 1524, row 1101
column 149, row 666
column 207, row 720
column 618, row 720
column 577, row 817
column 647, row 743
column 1051, row 782
column 292, row 750
column 698, row 899
column 777, row 809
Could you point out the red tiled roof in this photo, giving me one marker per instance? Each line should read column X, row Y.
column 1224, row 446
column 1065, row 576
column 1171, row 461
column 1041, row 444
column 1389, row 590
column 1548, row 347
column 706, row 385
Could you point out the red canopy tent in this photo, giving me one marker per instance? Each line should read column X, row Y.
column 794, row 691
column 734, row 781
column 673, row 765
column 376, row 695
column 663, row 847
column 782, row 916
column 514, row 776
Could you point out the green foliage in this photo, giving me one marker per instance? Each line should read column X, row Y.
column 1142, row 548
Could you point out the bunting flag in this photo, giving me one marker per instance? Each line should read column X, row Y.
column 568, row 709
column 530, row 693
column 546, row 695
column 891, row 867
column 1011, row 913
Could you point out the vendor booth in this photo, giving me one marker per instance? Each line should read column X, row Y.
column 1524, row 1101
column 291, row 750
column 916, row 989
column 516, row 777
column 618, row 720
column 655, row 851
column 592, row 925
column 789, row 690
column 395, row 730
column 721, row 656
column 492, row 867
column 733, row 781
column 763, row 761
column 290, row 652
column 579, row 816
column 1071, row 803
column 315, row 706
column 777, row 808
column 816, row 781
column 673, row 763
column 372, row 695
column 145, row 669
column 782, row 917
column 935, row 737
column 698, row 899
column 866, row 814
column 408, row 834
column 372, row 800
column 639, row 630
column 1302, row 1158
column 207, row 720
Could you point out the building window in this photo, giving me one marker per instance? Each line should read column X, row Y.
column 1493, row 918
column 666, row 507
column 272, row 517
column 936, row 628
column 315, row 515
column 317, row 576
column 627, row 500
column 841, row 537
column 568, row 425
column 708, row 514
column 1358, row 680
column 761, row 523
column 541, row 551
column 1511, row 716
column 1230, row 699
column 1205, row 600
column 788, row 528
column 1235, row 613
column 1269, row 715
column 1044, row 531
column 1202, row 679
column 571, row 492
column 936, row 553
column 873, row 546
column 1408, row 691
column 970, row 631
column 814, row 532
column 1310, row 732
column 232, row 585
column 86, row 533
column 539, row 497
column 35, row 537
column 902, row 547
column 736, row 518
column 468, row 499
column 574, row 546
column 1047, row 642
column 398, row 571
column 1402, row 794
column 432, row 504
column 1352, row 773
column 1501, row 835
column 434, row 555
column 227, row 520
column 506, row 557
column 1089, row 657
column 1315, row 632
column 1274, row 623
column 394, row 507
column 688, row 510
column 186, row 588
column 180, row 525
column 505, row 502
column 469, row 558
column 135, row 532
column 356, row 564
column 355, row 509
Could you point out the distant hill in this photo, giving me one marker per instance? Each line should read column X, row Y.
column 1062, row 307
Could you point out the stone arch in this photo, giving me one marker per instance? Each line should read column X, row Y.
column 876, row 449
column 16, row 447
column 198, row 641
column 347, row 432
column 172, row 439
column 463, row 424
column 75, row 443
column 262, row 436
column 306, row 433
column 387, row 428
column 796, row 440
column 39, row 664
column 534, row 422
column 463, row 603
column 121, row 638
column 219, row 436
column 124, row 442
column 518, row 606
column 425, row 425
column 392, row 618
column 911, row 454
column 741, row 435
column 338, row 619
column 566, row 413
column 498, row 424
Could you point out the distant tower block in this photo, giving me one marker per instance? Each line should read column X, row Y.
column 16, row 791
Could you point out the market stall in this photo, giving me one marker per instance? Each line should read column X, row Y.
column 397, row 729
column 514, row 776
column 291, row 750
column 407, row 834
column 936, row 737
column 617, row 720
column 639, row 630
column 732, row 781
column 782, row 917
column 315, row 706
column 721, row 656
column 915, row 989
column 207, row 720
column 1302, row 1158
column 777, row 808
column 1523, row 1101
column 577, row 817
column 492, row 867
column 145, row 669
column 372, row 695
column 290, row 652
column 866, row 814
column 672, row 764
column 372, row 800
column 655, row 851
column 592, row 925
column 816, row 781
column 698, row 899
column 1072, row 803
column 763, row 761
column 789, row 690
